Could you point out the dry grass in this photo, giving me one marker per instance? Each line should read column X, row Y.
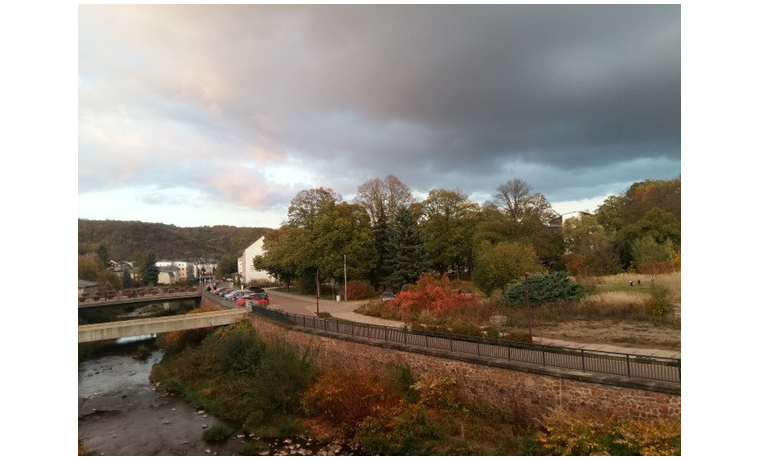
column 619, row 289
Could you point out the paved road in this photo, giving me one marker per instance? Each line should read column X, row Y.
column 301, row 305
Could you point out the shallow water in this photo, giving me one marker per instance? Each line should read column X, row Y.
column 121, row 413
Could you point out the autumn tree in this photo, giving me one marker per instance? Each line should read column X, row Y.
column 89, row 266
column 498, row 265
column 660, row 225
column 305, row 206
column 590, row 250
column 383, row 197
column 618, row 211
column 519, row 204
column 447, row 228
column 517, row 214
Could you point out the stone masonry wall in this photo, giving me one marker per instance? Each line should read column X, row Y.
column 507, row 390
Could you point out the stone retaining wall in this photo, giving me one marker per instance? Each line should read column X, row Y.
column 530, row 391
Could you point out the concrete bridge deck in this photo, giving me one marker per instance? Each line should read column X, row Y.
column 134, row 327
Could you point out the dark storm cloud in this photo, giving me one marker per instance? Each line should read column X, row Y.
column 572, row 99
column 474, row 87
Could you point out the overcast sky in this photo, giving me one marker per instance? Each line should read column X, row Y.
column 205, row 115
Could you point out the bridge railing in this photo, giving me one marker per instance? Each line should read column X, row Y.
column 622, row 364
column 137, row 293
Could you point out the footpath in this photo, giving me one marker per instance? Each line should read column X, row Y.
column 345, row 311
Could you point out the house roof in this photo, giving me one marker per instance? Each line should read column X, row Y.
column 85, row 284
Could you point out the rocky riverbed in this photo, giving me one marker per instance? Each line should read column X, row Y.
column 121, row 413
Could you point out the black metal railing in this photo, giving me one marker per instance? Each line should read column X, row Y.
column 623, row 364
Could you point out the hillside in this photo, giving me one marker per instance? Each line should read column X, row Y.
column 128, row 240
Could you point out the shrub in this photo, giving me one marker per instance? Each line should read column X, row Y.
column 542, row 289
column 431, row 295
column 359, row 290
column 217, row 433
column 344, row 398
column 580, row 433
column 660, row 302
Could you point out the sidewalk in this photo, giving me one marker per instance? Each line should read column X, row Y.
column 345, row 311
column 610, row 348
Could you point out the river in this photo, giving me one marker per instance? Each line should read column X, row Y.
column 121, row 413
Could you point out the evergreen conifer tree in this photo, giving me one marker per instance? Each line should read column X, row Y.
column 149, row 270
column 406, row 251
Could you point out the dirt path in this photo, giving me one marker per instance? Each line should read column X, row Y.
column 629, row 334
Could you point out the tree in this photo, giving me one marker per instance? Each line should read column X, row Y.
column 304, row 208
column 88, row 267
column 590, row 251
column 527, row 218
column 383, row 197
column 498, row 265
column 344, row 229
column 658, row 224
column 649, row 256
column 447, row 228
column 620, row 211
column 406, row 260
column 519, row 204
column 126, row 279
column 149, row 270
column 103, row 254
column 381, row 231
column 279, row 257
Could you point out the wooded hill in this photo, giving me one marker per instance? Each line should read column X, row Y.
column 130, row 240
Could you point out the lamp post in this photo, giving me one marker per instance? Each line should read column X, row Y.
column 527, row 305
column 345, row 279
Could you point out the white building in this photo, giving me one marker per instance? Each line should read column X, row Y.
column 185, row 269
column 205, row 269
column 168, row 274
column 246, row 266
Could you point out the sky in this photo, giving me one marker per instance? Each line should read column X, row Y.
column 197, row 115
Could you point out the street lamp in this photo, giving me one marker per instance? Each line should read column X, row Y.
column 530, row 314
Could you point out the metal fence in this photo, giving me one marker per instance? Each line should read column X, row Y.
column 628, row 365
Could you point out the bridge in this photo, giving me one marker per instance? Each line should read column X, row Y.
column 135, row 327
column 136, row 297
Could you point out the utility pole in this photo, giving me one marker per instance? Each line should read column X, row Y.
column 316, row 280
column 530, row 315
column 345, row 282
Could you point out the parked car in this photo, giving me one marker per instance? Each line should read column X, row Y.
column 234, row 294
column 222, row 291
column 387, row 295
column 259, row 290
column 258, row 298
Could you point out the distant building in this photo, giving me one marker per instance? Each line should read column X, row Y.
column 87, row 287
column 205, row 269
column 185, row 269
column 168, row 274
column 247, row 267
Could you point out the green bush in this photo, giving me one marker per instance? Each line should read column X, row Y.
column 542, row 289
column 660, row 302
column 238, row 378
column 217, row 433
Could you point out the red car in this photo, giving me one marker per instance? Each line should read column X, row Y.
column 255, row 297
